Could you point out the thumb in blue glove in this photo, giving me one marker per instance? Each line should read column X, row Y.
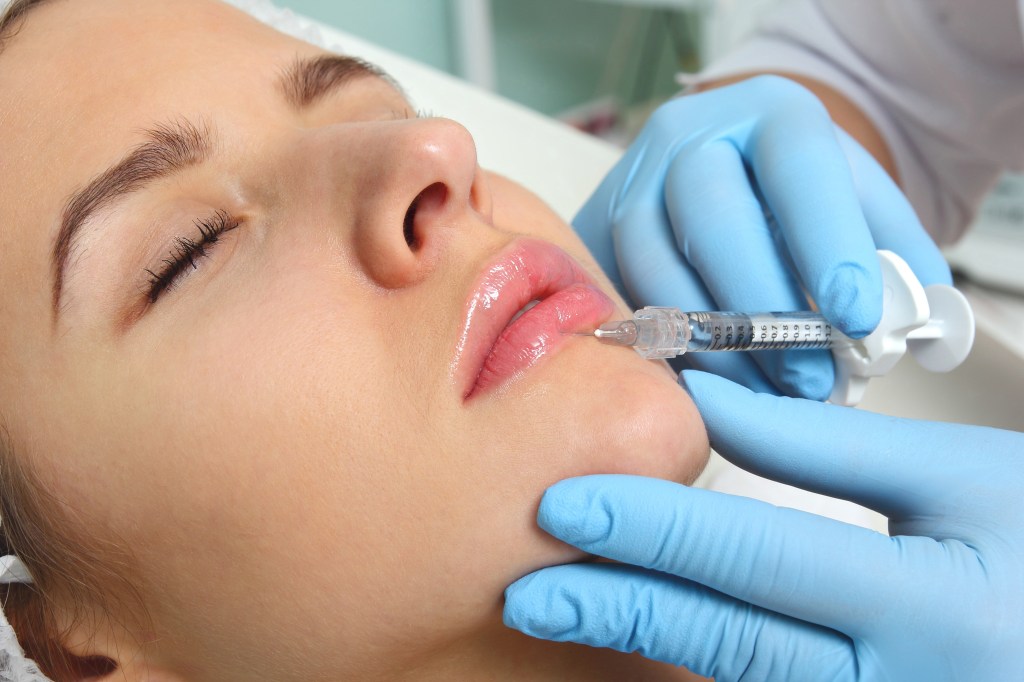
column 740, row 590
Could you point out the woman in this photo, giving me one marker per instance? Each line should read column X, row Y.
column 273, row 409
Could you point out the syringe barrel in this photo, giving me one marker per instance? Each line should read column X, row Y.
column 669, row 332
column 711, row 331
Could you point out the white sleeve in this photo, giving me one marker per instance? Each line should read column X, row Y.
column 942, row 80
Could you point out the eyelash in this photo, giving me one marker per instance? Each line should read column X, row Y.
column 186, row 251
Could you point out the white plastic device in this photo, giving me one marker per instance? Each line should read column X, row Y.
column 935, row 323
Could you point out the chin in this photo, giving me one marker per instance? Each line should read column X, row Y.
column 637, row 420
column 610, row 412
column 660, row 433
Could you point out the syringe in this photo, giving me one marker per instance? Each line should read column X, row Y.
column 656, row 332
column 935, row 324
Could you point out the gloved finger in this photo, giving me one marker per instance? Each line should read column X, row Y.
column 720, row 226
column 676, row 621
column 636, row 179
column 653, row 270
column 890, row 217
column 899, row 467
column 787, row 561
column 806, row 181
column 738, row 367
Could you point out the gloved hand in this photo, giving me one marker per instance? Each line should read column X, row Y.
column 740, row 590
column 681, row 221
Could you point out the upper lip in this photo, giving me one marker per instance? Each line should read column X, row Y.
column 527, row 270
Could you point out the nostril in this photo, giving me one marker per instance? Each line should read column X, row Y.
column 408, row 226
column 430, row 199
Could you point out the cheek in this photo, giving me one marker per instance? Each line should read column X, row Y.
column 518, row 210
column 265, row 439
column 258, row 458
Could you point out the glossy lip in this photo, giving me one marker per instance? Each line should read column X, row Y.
column 492, row 348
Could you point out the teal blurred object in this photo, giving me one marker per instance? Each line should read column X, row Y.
column 420, row 29
column 551, row 55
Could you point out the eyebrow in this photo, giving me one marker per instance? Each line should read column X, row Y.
column 172, row 148
column 310, row 79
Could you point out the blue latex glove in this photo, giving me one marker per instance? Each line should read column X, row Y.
column 741, row 590
column 681, row 221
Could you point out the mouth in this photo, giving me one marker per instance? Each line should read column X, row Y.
column 523, row 309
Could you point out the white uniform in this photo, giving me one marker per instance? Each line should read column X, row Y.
column 943, row 80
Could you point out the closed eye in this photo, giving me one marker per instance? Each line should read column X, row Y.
column 186, row 252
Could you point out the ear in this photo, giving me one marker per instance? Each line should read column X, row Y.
column 136, row 671
column 107, row 654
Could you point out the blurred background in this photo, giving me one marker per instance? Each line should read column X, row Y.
column 600, row 65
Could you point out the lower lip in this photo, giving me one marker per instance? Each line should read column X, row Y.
column 542, row 331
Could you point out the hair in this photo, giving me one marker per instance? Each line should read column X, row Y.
column 78, row 578
column 74, row 575
column 12, row 17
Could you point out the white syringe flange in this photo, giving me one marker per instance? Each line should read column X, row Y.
column 935, row 322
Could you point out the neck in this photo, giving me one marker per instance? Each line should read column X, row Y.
column 498, row 653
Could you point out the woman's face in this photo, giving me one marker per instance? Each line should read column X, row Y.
column 279, row 364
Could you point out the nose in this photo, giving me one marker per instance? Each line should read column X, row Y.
column 406, row 187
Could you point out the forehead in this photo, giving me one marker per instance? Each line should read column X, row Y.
column 81, row 73
column 80, row 62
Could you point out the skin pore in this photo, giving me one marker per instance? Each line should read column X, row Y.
column 268, row 417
